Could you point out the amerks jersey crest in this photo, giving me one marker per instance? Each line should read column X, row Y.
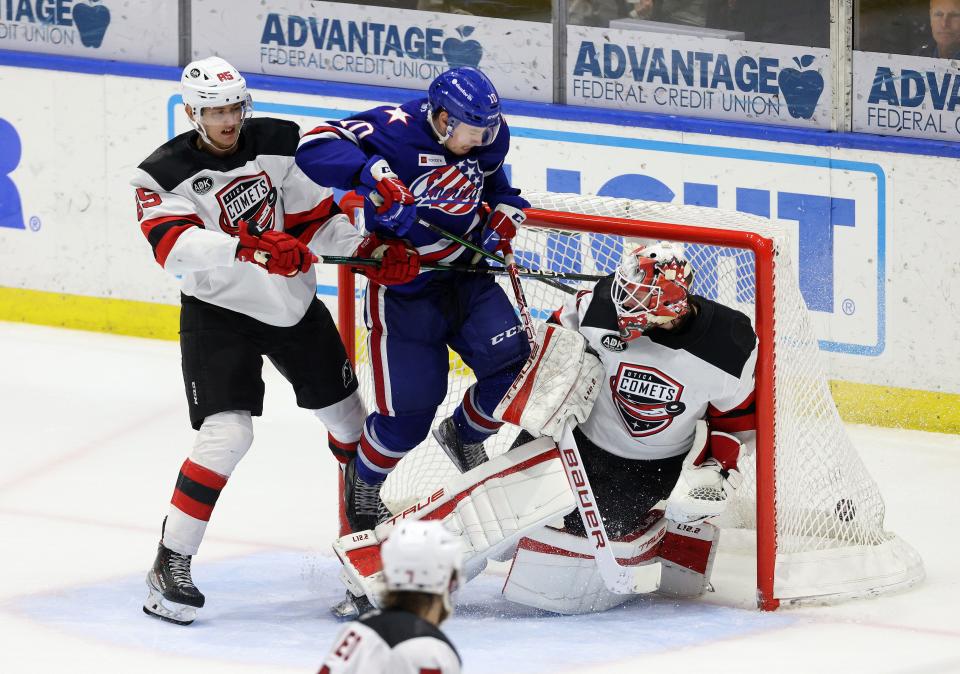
column 453, row 189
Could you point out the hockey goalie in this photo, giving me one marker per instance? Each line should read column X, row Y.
column 641, row 393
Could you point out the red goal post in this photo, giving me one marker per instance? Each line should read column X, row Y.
column 832, row 523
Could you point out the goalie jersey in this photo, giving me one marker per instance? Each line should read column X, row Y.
column 391, row 642
column 657, row 386
column 190, row 202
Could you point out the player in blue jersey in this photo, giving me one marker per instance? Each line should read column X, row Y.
column 433, row 160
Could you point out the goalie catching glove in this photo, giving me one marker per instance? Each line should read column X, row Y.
column 398, row 262
column 560, row 379
column 708, row 482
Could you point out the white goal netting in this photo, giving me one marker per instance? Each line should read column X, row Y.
column 830, row 539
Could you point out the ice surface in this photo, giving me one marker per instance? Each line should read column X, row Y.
column 95, row 429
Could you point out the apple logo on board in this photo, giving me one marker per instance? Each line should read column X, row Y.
column 801, row 89
column 91, row 20
column 462, row 52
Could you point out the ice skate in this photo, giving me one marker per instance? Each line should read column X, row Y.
column 364, row 508
column 173, row 596
column 464, row 456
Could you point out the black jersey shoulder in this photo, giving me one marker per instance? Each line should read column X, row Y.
column 601, row 313
column 716, row 334
column 179, row 158
column 396, row 626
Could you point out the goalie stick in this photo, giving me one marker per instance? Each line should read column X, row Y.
column 617, row 578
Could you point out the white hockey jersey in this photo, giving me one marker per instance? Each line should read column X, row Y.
column 189, row 203
column 391, row 642
column 659, row 385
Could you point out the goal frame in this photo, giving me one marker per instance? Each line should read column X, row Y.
column 764, row 251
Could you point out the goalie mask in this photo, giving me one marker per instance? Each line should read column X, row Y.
column 422, row 556
column 650, row 288
column 211, row 87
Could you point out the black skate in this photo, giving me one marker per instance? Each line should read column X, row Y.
column 173, row 596
column 464, row 457
column 364, row 508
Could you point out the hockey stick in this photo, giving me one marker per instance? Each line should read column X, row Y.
column 617, row 578
column 535, row 273
column 490, row 256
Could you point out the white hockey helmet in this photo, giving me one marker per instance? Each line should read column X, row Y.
column 422, row 556
column 213, row 83
column 650, row 288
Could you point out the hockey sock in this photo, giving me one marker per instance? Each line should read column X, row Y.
column 385, row 440
column 473, row 424
column 194, row 497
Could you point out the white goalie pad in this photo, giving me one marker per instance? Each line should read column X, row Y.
column 687, row 554
column 555, row 571
column 560, row 379
column 488, row 508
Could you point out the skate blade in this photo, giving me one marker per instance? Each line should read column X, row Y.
column 351, row 607
column 158, row 607
column 451, row 454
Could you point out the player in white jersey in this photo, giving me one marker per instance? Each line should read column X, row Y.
column 421, row 568
column 672, row 360
column 226, row 208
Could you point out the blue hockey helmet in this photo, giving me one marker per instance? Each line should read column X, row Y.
column 469, row 98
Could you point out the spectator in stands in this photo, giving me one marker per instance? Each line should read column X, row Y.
column 945, row 27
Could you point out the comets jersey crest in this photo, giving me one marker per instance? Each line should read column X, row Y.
column 658, row 386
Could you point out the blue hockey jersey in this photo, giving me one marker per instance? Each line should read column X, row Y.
column 448, row 188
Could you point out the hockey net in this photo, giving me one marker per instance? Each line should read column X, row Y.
column 817, row 512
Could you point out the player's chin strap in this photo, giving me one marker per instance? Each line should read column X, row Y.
column 618, row 579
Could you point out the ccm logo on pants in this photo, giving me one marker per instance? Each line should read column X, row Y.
column 506, row 334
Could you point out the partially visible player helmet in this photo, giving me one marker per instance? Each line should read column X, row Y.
column 650, row 288
column 213, row 83
column 422, row 557
column 470, row 98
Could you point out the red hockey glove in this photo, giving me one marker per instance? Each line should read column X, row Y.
column 276, row 252
column 398, row 263
column 393, row 201
column 501, row 227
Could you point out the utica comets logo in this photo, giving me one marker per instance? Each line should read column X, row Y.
column 91, row 20
column 647, row 399
column 452, row 189
column 249, row 198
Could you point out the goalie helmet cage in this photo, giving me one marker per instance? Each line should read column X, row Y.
column 817, row 513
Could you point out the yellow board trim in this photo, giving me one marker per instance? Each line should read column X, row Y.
column 857, row 403
column 97, row 314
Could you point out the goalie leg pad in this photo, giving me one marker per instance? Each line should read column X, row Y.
column 489, row 508
column 555, row 571
column 559, row 380
column 687, row 555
